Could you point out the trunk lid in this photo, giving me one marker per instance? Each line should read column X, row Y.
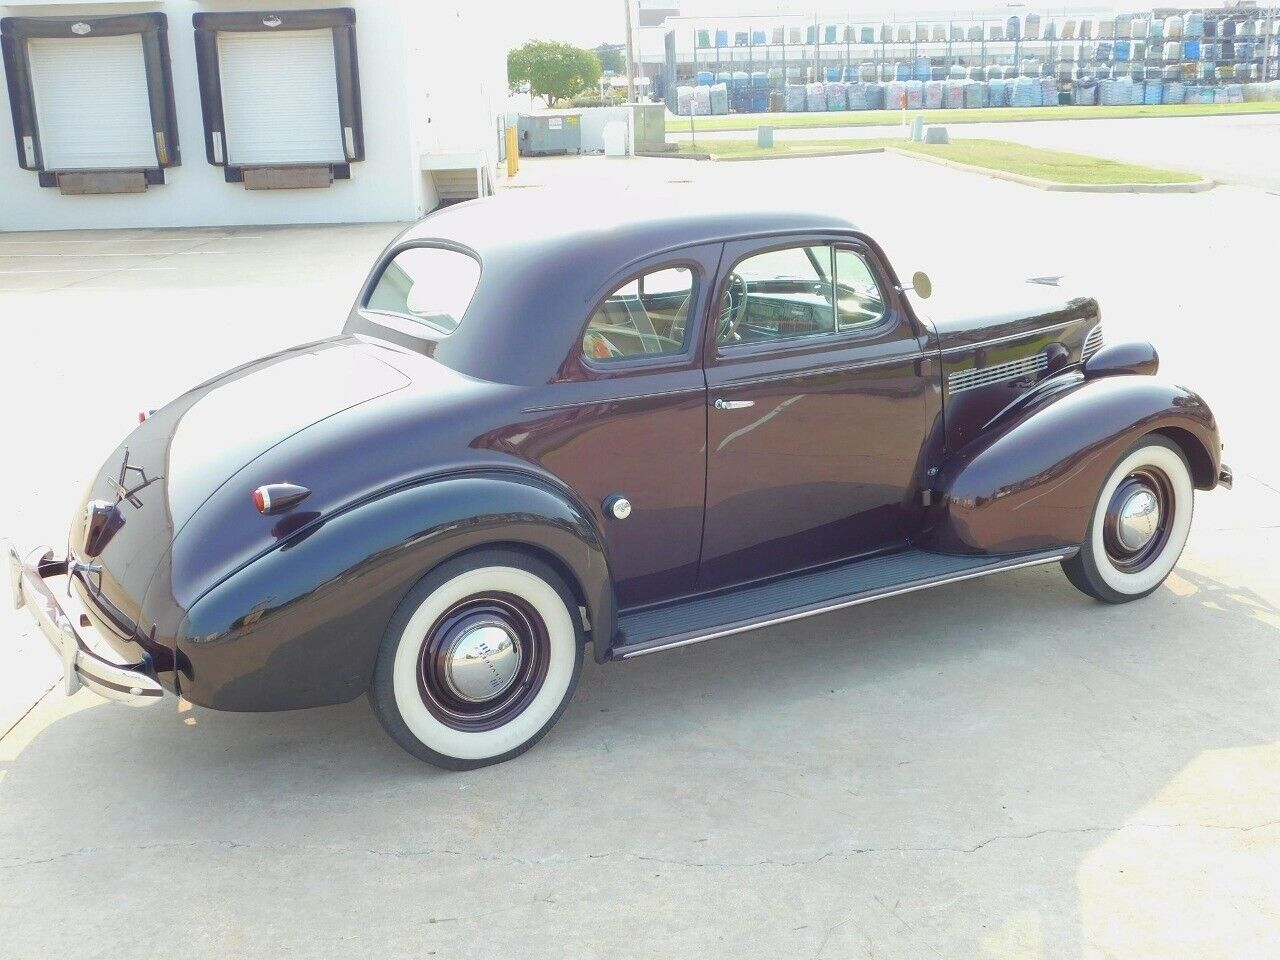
column 174, row 462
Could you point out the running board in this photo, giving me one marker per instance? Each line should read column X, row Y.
column 706, row 617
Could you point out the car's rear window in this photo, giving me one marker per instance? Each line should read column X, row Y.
column 428, row 285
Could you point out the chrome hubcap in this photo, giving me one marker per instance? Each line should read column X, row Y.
column 1138, row 519
column 482, row 661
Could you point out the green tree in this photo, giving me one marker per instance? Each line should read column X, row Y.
column 611, row 58
column 552, row 69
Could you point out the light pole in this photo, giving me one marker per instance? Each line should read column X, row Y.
column 631, row 64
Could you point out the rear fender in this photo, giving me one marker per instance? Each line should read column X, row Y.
column 301, row 625
column 1029, row 481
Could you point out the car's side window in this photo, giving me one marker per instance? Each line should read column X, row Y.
column 779, row 295
column 644, row 318
column 859, row 299
column 429, row 285
column 797, row 292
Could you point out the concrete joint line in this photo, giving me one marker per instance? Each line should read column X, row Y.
column 552, row 861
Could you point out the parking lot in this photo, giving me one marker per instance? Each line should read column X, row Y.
column 997, row 769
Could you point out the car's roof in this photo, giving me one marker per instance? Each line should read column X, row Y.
column 546, row 256
column 634, row 222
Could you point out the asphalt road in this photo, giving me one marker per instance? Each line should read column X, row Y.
column 996, row 769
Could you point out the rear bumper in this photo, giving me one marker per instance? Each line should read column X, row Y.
column 133, row 684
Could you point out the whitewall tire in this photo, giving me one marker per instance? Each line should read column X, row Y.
column 479, row 661
column 1139, row 525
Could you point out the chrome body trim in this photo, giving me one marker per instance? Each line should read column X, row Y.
column 1026, row 334
column 1053, row 556
column 130, row 684
column 570, row 404
column 848, row 367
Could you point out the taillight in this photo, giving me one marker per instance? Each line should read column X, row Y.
column 144, row 415
column 273, row 498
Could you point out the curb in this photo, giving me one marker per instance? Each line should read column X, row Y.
column 671, row 155
column 1193, row 186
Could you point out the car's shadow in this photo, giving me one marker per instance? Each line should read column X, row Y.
column 759, row 679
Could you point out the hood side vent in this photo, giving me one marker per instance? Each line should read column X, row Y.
column 962, row 380
column 1092, row 343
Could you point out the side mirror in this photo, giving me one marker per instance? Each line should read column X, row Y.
column 921, row 284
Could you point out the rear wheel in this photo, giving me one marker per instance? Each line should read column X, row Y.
column 479, row 661
column 1139, row 525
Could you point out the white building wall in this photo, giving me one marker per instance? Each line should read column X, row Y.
column 456, row 95
column 411, row 53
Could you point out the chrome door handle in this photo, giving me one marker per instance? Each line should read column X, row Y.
column 734, row 404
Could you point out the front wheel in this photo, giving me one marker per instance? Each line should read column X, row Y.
column 1139, row 525
column 479, row 661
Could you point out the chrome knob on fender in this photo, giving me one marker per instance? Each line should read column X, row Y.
column 618, row 507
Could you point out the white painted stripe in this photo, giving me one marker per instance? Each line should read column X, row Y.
column 95, row 256
column 182, row 238
column 99, row 270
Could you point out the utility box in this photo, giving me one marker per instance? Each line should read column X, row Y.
column 550, row 132
column 649, row 127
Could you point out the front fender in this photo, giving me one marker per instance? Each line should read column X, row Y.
column 1030, row 480
column 300, row 626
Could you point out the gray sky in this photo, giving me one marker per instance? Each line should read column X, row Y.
column 589, row 22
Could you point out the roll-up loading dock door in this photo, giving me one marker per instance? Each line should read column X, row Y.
column 92, row 104
column 280, row 98
column 280, row 93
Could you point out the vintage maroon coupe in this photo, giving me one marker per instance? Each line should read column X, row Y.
column 539, row 432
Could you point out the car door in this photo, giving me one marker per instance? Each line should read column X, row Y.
column 627, row 420
column 819, row 403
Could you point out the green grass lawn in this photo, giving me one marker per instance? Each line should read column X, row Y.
column 876, row 118
column 1052, row 165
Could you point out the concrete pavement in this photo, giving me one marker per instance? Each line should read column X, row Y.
column 998, row 769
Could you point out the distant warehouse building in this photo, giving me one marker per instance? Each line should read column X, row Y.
column 218, row 112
